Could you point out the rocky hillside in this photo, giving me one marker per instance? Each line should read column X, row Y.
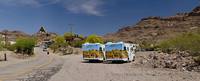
column 13, row 35
column 44, row 35
column 153, row 29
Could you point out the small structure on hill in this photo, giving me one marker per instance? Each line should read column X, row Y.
column 42, row 30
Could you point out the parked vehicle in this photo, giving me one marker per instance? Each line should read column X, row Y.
column 45, row 49
column 120, row 51
column 93, row 51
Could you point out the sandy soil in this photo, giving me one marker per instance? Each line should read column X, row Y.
column 74, row 69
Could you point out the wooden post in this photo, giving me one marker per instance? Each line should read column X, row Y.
column 5, row 57
column 47, row 52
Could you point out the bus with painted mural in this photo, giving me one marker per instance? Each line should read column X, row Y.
column 93, row 51
column 120, row 51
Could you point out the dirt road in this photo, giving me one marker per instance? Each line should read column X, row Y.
column 75, row 70
column 20, row 70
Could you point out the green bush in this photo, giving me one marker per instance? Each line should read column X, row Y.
column 94, row 39
column 25, row 45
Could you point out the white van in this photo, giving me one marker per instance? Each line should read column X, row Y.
column 120, row 51
column 93, row 51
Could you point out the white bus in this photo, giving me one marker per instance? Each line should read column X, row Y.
column 93, row 51
column 120, row 51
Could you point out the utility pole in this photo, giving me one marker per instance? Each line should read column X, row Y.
column 71, row 26
column 71, row 31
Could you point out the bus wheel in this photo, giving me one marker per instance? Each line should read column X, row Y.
column 128, row 60
column 133, row 58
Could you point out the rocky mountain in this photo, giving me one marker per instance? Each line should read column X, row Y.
column 153, row 29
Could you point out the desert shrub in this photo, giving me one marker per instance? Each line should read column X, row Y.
column 24, row 46
column 94, row 39
column 148, row 45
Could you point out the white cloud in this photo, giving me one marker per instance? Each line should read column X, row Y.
column 32, row 3
column 91, row 7
column 19, row 2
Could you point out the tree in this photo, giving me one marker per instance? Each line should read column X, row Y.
column 69, row 36
column 59, row 42
column 94, row 39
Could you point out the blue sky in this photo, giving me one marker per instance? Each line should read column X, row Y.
column 87, row 16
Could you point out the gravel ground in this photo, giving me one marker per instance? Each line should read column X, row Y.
column 11, row 59
column 41, row 74
column 76, row 70
column 72, row 68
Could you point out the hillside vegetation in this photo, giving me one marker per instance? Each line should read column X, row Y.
column 189, row 42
